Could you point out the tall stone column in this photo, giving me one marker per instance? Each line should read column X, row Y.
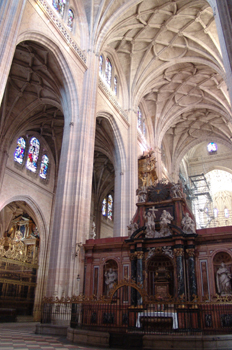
column 192, row 272
column 179, row 252
column 11, row 12
column 223, row 17
column 73, row 197
column 132, row 171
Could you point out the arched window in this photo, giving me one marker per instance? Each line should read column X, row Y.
column 100, row 64
column 59, row 5
column 215, row 212
column 20, row 150
column 44, row 167
column 70, row 19
column 115, row 85
column 33, row 154
column 110, row 207
column 108, row 71
column 107, row 207
column 104, row 203
column 226, row 211
column 139, row 114
column 141, row 123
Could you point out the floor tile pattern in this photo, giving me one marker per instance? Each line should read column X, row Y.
column 22, row 337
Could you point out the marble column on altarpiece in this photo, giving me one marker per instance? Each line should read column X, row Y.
column 191, row 272
column 133, row 259
column 73, row 196
column 179, row 252
column 139, row 275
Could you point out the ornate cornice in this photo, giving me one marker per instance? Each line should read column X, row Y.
column 113, row 100
column 60, row 27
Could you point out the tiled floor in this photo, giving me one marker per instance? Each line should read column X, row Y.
column 21, row 336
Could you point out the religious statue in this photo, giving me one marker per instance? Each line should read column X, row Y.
column 223, row 279
column 188, row 224
column 18, row 236
column 132, row 227
column 150, row 223
column 165, row 220
column 176, row 190
column 142, row 194
column 92, row 233
column 110, row 278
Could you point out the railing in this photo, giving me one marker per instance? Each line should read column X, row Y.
column 154, row 318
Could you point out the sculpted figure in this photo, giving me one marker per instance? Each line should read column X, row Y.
column 150, row 223
column 132, row 227
column 93, row 233
column 165, row 220
column 176, row 190
column 223, row 279
column 188, row 224
column 110, row 278
column 142, row 194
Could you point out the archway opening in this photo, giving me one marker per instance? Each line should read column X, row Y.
column 19, row 253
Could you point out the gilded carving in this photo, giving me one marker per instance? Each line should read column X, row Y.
column 190, row 252
column 139, row 255
column 179, row 252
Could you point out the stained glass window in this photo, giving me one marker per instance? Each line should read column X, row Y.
column 44, row 167
column 100, row 64
column 139, row 124
column 33, row 154
column 212, row 147
column 108, row 71
column 115, row 85
column 70, row 19
column 59, row 6
column 104, row 202
column 226, row 211
column 110, row 207
column 144, row 128
column 20, row 150
column 215, row 212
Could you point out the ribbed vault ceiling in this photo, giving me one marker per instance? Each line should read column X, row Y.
column 170, row 55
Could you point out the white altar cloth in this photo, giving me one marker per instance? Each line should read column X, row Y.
column 158, row 314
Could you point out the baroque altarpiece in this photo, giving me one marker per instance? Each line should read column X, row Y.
column 163, row 253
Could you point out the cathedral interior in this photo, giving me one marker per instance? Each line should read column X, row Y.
column 115, row 150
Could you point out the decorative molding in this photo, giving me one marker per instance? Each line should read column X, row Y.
column 63, row 31
column 111, row 98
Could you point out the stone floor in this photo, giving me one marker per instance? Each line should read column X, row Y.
column 21, row 336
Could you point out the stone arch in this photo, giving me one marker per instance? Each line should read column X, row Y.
column 176, row 161
column 68, row 96
column 38, row 217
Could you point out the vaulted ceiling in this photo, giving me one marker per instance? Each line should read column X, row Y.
column 170, row 55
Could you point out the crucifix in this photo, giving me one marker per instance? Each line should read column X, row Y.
column 153, row 210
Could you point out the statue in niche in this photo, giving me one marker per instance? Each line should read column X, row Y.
column 93, row 233
column 165, row 220
column 223, row 279
column 150, row 223
column 176, row 190
column 142, row 194
column 132, row 227
column 188, row 224
column 110, row 278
